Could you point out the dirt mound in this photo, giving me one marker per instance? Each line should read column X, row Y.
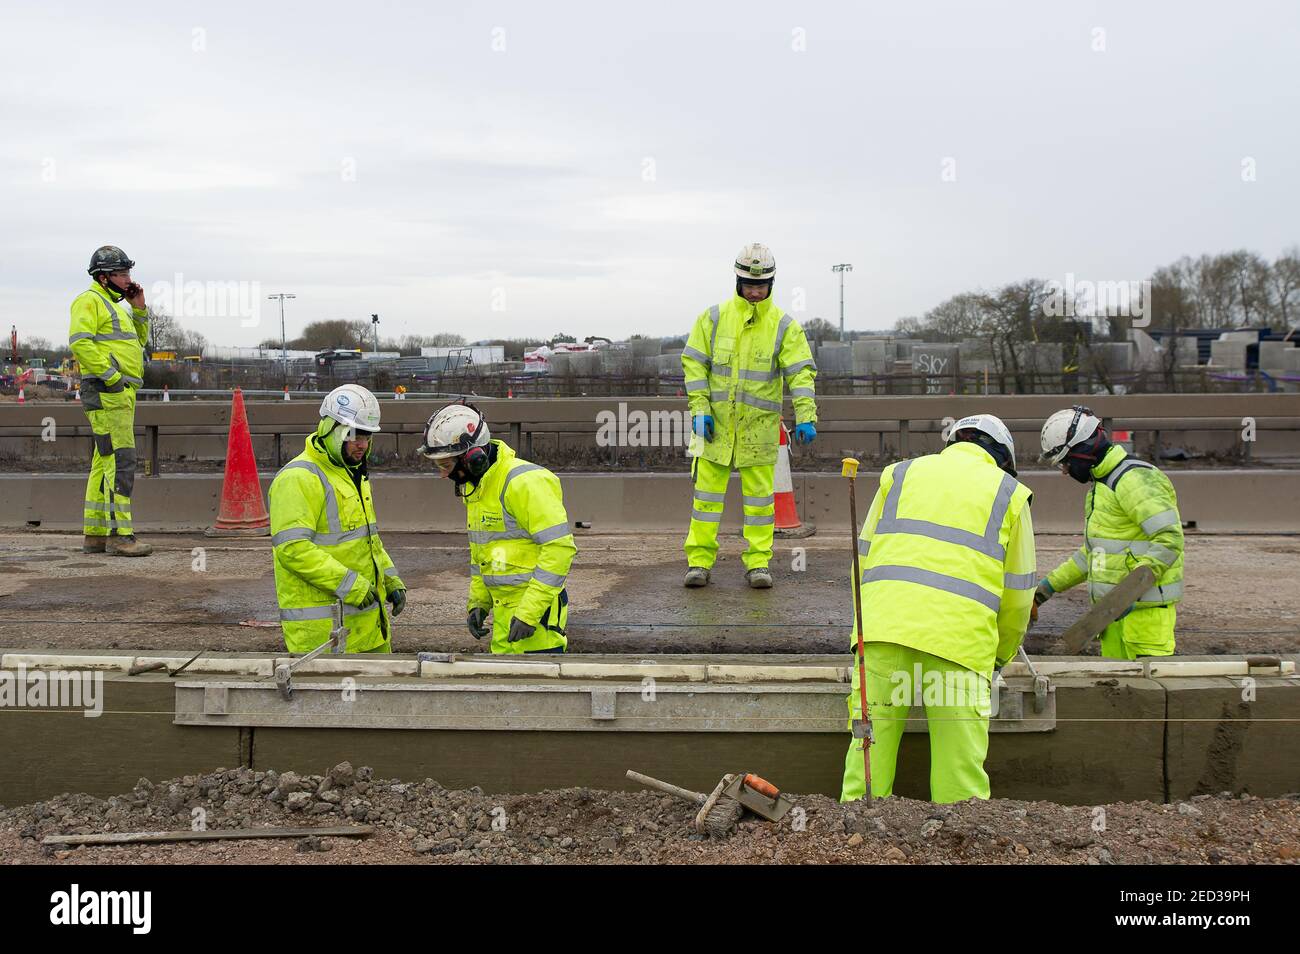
column 423, row 821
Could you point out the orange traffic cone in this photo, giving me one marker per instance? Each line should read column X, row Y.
column 166, row 394
column 286, row 392
column 22, row 397
column 787, row 514
column 243, row 513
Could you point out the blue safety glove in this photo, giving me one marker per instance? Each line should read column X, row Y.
column 477, row 622
column 702, row 424
column 398, row 599
column 520, row 630
column 1043, row 593
column 805, row 433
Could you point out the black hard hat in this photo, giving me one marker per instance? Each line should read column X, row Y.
column 109, row 258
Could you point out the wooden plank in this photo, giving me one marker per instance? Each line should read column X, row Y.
column 1106, row 610
column 219, row 834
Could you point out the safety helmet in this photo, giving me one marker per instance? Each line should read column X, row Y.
column 453, row 431
column 352, row 406
column 996, row 438
column 755, row 263
column 109, row 258
column 1066, row 429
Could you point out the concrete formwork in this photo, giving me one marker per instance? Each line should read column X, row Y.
column 1110, row 732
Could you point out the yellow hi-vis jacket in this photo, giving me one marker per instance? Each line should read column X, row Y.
column 947, row 558
column 326, row 543
column 520, row 550
column 736, row 361
column 1130, row 519
column 108, row 340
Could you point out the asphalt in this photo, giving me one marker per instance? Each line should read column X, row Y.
column 625, row 591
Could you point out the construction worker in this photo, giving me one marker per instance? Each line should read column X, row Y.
column 947, row 562
column 520, row 542
column 738, row 358
column 1130, row 519
column 108, row 339
column 326, row 536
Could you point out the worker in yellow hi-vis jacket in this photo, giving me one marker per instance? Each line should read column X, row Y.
column 520, row 542
column 1131, row 519
column 738, row 358
column 325, row 533
column 108, row 339
column 948, row 576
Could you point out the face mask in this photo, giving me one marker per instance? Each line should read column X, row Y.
column 332, row 436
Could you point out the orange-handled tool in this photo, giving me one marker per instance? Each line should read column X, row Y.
column 762, row 786
column 862, row 725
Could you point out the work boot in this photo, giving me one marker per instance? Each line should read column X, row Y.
column 760, row 578
column 697, row 576
column 91, row 544
column 128, row 545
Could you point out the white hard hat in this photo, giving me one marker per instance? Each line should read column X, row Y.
column 454, row 430
column 994, row 428
column 755, row 263
column 1065, row 429
column 353, row 406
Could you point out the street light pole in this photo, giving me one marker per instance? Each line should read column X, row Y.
column 284, row 351
column 842, row 269
column 374, row 320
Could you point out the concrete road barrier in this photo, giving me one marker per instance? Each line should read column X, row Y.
column 1215, row 500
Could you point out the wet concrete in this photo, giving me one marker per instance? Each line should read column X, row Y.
column 626, row 596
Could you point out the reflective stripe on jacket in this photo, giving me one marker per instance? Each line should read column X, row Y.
column 736, row 362
column 326, row 544
column 947, row 558
column 1131, row 519
column 108, row 339
column 520, row 543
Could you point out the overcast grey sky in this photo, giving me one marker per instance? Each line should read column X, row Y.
column 512, row 169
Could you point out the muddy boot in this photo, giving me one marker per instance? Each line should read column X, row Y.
column 93, row 544
column 760, row 578
column 697, row 576
column 129, row 546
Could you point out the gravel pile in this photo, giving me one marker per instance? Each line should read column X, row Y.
column 422, row 821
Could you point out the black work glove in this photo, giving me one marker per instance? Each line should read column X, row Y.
column 520, row 630
column 477, row 622
column 398, row 599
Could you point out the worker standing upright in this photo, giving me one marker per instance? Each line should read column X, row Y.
column 737, row 360
column 1131, row 519
column 520, row 542
column 108, row 340
column 325, row 533
column 947, row 562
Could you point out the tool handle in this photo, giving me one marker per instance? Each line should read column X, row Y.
column 762, row 786
column 697, row 797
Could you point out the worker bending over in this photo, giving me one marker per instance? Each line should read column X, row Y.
column 326, row 536
column 737, row 360
column 1130, row 519
column 947, row 562
column 520, row 542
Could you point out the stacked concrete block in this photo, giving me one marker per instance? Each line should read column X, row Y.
column 1273, row 354
column 586, row 364
column 560, row 365
column 1229, row 355
column 873, row 356
column 835, row 358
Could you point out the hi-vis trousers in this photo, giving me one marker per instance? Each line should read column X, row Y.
column 112, row 465
column 756, row 488
column 957, row 706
